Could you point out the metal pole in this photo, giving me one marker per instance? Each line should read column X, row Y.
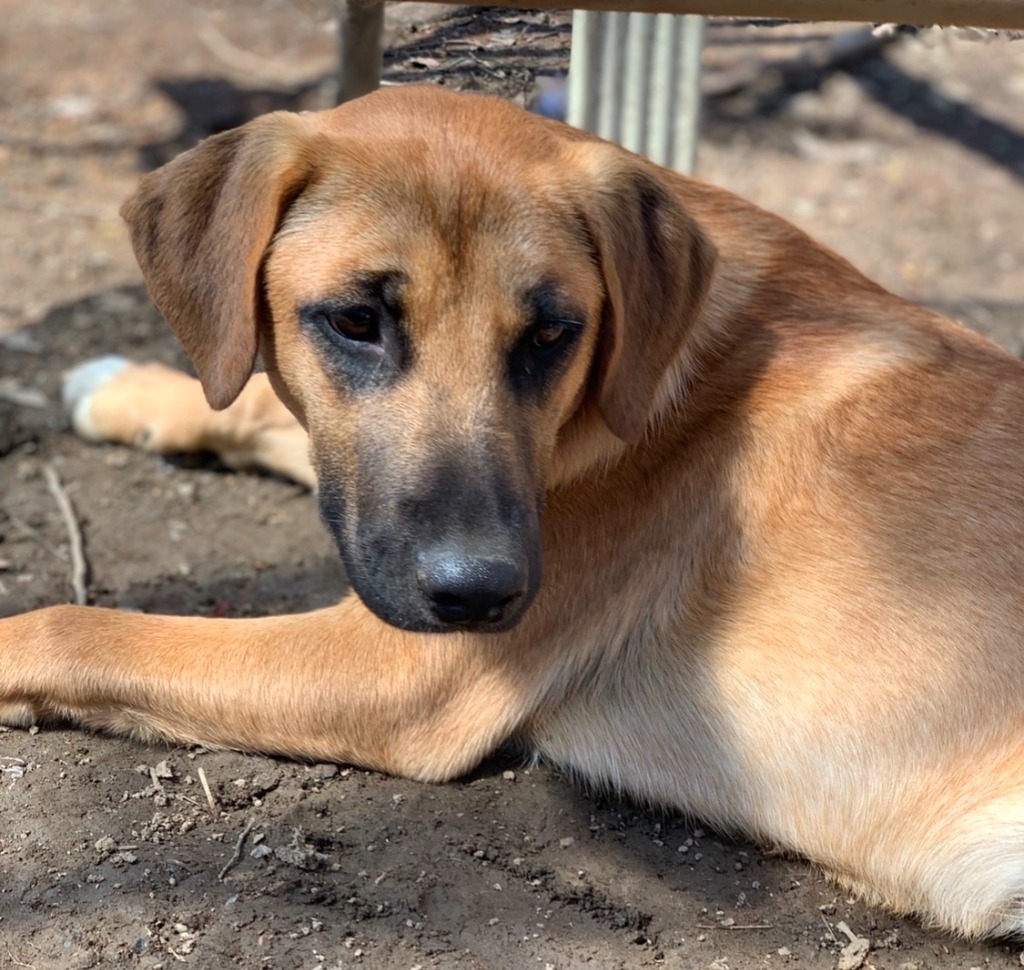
column 584, row 67
column 687, row 100
column 360, row 28
column 635, row 79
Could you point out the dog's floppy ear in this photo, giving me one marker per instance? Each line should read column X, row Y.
column 657, row 266
column 200, row 227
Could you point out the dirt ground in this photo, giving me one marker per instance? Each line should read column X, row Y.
column 910, row 163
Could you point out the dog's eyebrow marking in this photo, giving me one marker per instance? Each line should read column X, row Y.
column 547, row 301
column 382, row 288
column 385, row 287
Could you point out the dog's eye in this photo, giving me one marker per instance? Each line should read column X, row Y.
column 359, row 323
column 542, row 351
column 549, row 335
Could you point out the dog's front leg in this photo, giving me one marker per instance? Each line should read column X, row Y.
column 336, row 684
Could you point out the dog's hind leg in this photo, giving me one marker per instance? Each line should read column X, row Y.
column 945, row 843
column 160, row 409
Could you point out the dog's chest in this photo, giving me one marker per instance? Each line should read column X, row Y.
column 647, row 725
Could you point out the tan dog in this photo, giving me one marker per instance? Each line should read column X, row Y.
column 778, row 509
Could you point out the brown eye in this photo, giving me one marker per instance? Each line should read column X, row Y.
column 355, row 323
column 549, row 335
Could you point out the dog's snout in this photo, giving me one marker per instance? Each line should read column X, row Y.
column 468, row 590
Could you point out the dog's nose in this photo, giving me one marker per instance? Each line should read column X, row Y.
column 467, row 590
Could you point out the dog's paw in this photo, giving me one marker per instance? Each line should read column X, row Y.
column 81, row 384
column 148, row 405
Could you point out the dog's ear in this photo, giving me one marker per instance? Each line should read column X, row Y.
column 657, row 266
column 200, row 227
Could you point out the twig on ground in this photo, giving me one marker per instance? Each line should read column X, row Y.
column 79, row 566
column 855, row 953
column 17, row 962
column 828, row 929
column 236, row 856
column 472, row 60
column 209, row 793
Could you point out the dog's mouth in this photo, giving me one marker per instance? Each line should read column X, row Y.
column 419, row 581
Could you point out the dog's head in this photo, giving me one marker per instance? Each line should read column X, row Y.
column 440, row 285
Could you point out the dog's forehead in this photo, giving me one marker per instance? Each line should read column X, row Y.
column 442, row 208
column 466, row 158
column 433, row 115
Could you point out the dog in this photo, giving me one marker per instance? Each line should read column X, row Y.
column 620, row 467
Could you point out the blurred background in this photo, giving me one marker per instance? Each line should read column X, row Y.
column 908, row 159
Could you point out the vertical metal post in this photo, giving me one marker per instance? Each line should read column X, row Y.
column 584, row 62
column 608, row 73
column 687, row 109
column 664, row 74
column 635, row 78
column 634, row 82
column 360, row 29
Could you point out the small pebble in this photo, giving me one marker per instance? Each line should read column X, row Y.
column 163, row 770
